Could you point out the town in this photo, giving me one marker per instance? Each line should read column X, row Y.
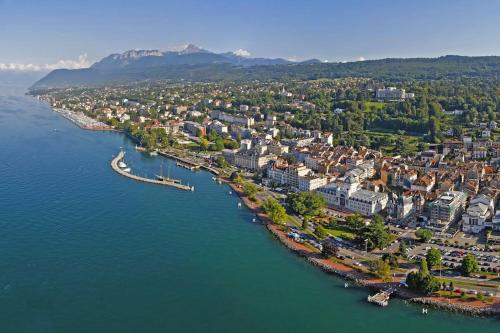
column 401, row 178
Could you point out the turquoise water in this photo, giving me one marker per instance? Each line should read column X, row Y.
column 83, row 249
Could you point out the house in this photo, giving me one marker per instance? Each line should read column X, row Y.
column 424, row 183
column 217, row 127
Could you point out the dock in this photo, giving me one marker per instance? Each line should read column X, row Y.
column 186, row 163
column 189, row 166
column 165, row 181
column 381, row 298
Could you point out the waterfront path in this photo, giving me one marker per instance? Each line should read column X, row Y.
column 119, row 157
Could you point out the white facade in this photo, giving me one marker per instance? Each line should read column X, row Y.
column 475, row 219
column 347, row 194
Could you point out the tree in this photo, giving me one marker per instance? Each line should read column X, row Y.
column 275, row 211
column 204, row 144
column 329, row 249
column 422, row 280
column 391, row 259
column 469, row 264
column 250, row 190
column 403, row 249
column 237, row 178
column 382, row 269
column 355, row 221
column 424, row 235
column 306, row 204
column 376, row 234
column 221, row 161
column 434, row 257
column 219, row 144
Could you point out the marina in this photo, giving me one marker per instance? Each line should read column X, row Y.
column 115, row 164
column 82, row 121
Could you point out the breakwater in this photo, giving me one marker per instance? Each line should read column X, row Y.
column 172, row 183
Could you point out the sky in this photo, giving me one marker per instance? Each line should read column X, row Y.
column 43, row 35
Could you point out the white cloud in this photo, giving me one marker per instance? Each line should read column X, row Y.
column 242, row 53
column 82, row 62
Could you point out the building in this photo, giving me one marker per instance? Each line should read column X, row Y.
column 401, row 206
column 347, row 194
column 311, row 182
column 495, row 222
column 192, row 128
column 251, row 160
column 217, row 127
column 424, row 183
column 447, row 209
column 476, row 217
column 232, row 119
column 392, row 94
column 281, row 173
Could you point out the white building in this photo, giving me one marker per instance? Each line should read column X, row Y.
column 393, row 94
column 232, row 119
column 311, row 182
column 348, row 194
column 476, row 217
column 218, row 127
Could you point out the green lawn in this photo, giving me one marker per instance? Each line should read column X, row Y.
column 340, row 233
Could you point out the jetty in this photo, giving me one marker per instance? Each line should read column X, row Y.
column 162, row 181
column 381, row 298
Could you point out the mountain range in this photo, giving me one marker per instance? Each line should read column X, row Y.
column 196, row 64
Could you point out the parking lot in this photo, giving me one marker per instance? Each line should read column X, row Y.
column 452, row 257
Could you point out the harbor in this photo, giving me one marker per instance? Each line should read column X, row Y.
column 120, row 167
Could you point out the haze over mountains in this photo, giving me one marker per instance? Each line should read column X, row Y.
column 196, row 64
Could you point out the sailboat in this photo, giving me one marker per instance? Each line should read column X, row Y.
column 166, row 179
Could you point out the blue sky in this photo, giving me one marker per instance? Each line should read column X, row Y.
column 46, row 32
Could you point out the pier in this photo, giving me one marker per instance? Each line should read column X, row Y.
column 165, row 181
column 381, row 298
column 190, row 166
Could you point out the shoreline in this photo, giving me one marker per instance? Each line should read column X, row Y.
column 339, row 269
column 83, row 121
column 361, row 279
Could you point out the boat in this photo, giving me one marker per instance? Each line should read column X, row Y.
column 153, row 153
column 127, row 170
column 192, row 188
column 122, row 164
column 139, row 148
column 167, row 179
